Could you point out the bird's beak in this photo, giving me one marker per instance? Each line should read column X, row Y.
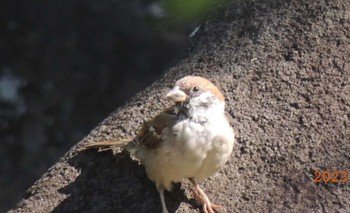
column 176, row 95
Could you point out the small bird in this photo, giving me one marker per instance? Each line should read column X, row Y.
column 191, row 140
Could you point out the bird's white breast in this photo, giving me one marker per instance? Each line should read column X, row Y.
column 193, row 149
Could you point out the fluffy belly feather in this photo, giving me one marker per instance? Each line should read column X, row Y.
column 196, row 157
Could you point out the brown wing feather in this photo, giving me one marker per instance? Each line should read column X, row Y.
column 149, row 136
column 107, row 145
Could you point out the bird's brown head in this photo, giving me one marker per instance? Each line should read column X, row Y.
column 193, row 86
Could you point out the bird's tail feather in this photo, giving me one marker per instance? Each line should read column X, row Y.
column 107, row 145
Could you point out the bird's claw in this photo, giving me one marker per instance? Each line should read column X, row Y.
column 209, row 208
column 202, row 198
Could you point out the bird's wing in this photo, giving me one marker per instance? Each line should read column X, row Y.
column 150, row 135
column 107, row 145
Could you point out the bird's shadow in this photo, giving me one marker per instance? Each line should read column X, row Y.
column 113, row 183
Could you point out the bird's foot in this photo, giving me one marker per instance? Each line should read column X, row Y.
column 203, row 199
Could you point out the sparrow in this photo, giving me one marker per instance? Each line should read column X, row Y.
column 192, row 139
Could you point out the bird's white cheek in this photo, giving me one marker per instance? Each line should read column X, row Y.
column 202, row 99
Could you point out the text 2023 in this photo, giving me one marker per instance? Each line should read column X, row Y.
column 333, row 176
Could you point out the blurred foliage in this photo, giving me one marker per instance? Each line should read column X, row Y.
column 183, row 12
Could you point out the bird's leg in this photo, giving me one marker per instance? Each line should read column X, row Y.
column 162, row 200
column 203, row 199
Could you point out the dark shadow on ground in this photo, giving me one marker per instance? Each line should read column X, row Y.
column 104, row 175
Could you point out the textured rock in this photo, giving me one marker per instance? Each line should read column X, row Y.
column 284, row 68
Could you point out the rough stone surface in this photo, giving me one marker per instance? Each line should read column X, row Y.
column 284, row 68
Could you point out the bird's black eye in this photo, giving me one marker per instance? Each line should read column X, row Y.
column 195, row 89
